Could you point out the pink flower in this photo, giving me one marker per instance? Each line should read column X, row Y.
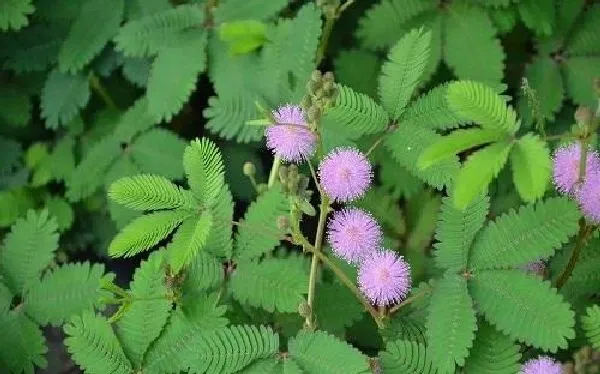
column 290, row 138
column 588, row 197
column 345, row 174
column 384, row 277
column 353, row 233
column 566, row 167
column 541, row 365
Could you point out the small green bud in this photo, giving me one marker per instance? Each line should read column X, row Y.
column 304, row 309
column 329, row 77
column 249, row 169
column 313, row 114
column 306, row 102
column 316, row 76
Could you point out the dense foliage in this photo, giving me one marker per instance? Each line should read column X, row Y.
column 146, row 227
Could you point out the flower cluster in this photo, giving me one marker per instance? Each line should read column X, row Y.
column 355, row 236
column 567, row 162
column 541, row 365
column 345, row 174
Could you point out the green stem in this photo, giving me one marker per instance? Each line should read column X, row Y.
column 274, row 172
column 327, row 29
column 584, row 232
column 312, row 280
column 406, row 302
column 101, row 91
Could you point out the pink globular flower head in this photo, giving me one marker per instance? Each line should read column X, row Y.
column 345, row 174
column 290, row 137
column 566, row 167
column 588, row 197
column 384, row 277
column 541, row 365
column 353, row 233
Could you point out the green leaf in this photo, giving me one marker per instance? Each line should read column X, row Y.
column 319, row 352
column 149, row 192
column 348, row 62
column 230, row 349
column 456, row 231
column 273, row 284
column 243, row 36
column 543, row 75
column 236, row 10
column 94, row 347
column 476, row 102
column 579, row 74
column 258, row 232
column 533, row 233
column 401, row 73
column 531, row 165
column 28, row 249
column 174, row 73
column 456, row 142
column 432, row 111
column 478, row 171
column 16, row 106
column 62, row 97
column 149, row 34
column 538, row 16
column 204, row 168
column 15, row 203
column 188, row 240
column 472, row 55
column 591, row 325
column 137, row 70
column 408, row 142
column 359, row 114
column 62, row 211
column 145, row 232
column 69, row 290
column 136, row 120
column 174, row 348
column 6, row 298
column 147, row 314
column 22, row 345
column 451, row 323
column 585, row 40
column 167, row 162
column 403, row 356
column 35, row 47
column 512, row 301
column 386, row 20
column 493, row 353
column 220, row 241
column 336, row 308
column 13, row 14
column 96, row 24
column 205, row 271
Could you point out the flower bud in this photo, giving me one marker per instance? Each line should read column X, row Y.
column 304, row 309
column 316, row 76
column 249, row 169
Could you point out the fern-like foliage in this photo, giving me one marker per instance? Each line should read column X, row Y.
column 145, row 232
column 456, row 231
column 13, row 14
column 450, row 323
column 273, row 284
column 230, row 349
column 492, row 352
column 586, row 38
column 533, row 233
column 531, row 166
column 404, row 356
column 147, row 35
column 188, row 240
column 204, row 272
column 147, row 313
column 400, row 75
column 360, row 114
column 174, row 73
column 149, row 192
column 476, row 102
column 94, row 345
column 63, row 96
column 28, row 249
column 35, row 48
column 235, row 10
column 431, row 110
column 591, row 325
column 167, row 162
column 258, row 232
column 336, row 308
column 97, row 23
column 319, row 352
column 515, row 309
column 67, row 291
column 22, row 345
column 203, row 166
column 220, row 241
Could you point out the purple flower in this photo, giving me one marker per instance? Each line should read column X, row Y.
column 566, row 167
column 541, row 365
column 384, row 277
column 290, row 138
column 353, row 233
column 589, row 197
column 345, row 174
